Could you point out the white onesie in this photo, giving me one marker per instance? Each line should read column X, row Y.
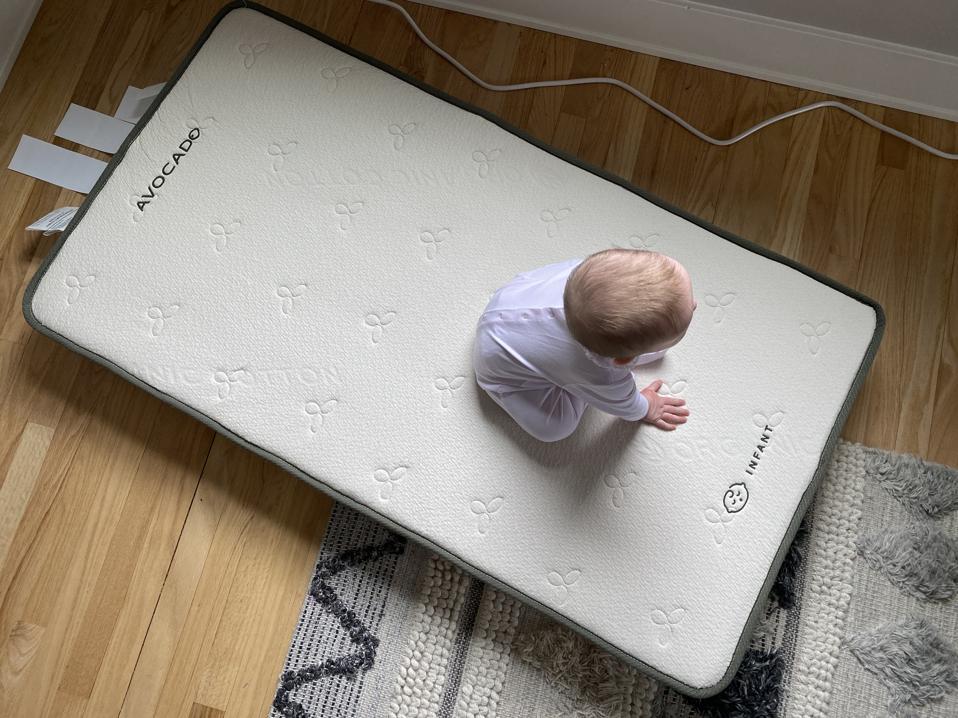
column 527, row 361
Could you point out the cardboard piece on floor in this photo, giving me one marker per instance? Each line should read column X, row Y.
column 93, row 129
column 55, row 165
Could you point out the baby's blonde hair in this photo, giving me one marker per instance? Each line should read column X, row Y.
column 624, row 302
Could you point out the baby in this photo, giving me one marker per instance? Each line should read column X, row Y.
column 565, row 336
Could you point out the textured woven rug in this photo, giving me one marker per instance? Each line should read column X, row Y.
column 862, row 621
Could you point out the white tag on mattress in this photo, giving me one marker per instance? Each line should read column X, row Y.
column 55, row 221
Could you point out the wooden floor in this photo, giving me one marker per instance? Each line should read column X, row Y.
column 148, row 566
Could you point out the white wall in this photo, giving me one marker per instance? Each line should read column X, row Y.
column 872, row 68
column 16, row 17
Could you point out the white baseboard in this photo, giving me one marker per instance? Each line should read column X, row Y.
column 837, row 63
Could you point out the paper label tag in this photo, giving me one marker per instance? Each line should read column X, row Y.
column 55, row 221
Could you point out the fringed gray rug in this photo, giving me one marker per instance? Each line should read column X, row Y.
column 863, row 621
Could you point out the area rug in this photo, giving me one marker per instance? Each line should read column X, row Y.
column 862, row 621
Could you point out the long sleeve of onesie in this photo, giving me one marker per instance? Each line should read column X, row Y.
column 621, row 398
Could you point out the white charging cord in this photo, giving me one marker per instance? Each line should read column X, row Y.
column 655, row 105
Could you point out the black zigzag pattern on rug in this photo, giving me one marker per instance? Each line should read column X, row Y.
column 325, row 596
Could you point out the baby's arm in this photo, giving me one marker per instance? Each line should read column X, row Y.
column 624, row 400
column 621, row 398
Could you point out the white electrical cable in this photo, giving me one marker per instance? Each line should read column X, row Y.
column 655, row 105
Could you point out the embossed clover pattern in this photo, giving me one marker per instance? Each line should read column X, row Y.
column 552, row 219
column 334, row 75
column 484, row 511
column 387, row 480
column 668, row 621
column 618, row 484
column 644, row 241
column 203, row 123
column 447, row 386
column 318, row 411
column 674, row 388
column 77, row 284
column 251, row 52
column 432, row 239
column 400, row 133
column 377, row 323
column 771, row 420
column 158, row 315
column 814, row 333
column 719, row 304
column 222, row 232
column 563, row 583
column 718, row 521
column 346, row 211
column 279, row 152
column 226, row 380
column 288, row 295
column 484, row 160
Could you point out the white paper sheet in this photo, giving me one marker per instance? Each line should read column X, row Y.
column 93, row 129
column 56, row 165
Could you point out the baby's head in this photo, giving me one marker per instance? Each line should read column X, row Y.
column 624, row 302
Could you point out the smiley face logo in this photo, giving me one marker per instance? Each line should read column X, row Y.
column 736, row 496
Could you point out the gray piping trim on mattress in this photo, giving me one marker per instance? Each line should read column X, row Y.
column 807, row 497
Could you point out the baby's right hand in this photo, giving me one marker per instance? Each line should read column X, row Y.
column 665, row 412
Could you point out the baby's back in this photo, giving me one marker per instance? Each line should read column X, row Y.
column 522, row 341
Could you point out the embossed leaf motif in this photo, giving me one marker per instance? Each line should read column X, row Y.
column 279, row 152
column 484, row 159
column 346, row 212
column 563, row 582
column 432, row 240
column 618, row 485
column 675, row 388
column 668, row 622
column 377, row 322
column 318, row 411
column 400, row 133
column 484, row 511
column 387, row 479
column 158, row 316
column 222, row 232
column 719, row 304
column 644, row 241
column 447, row 387
column 251, row 52
column 204, row 123
column 288, row 295
column 75, row 284
column 334, row 75
column 814, row 333
column 718, row 520
column 771, row 420
column 225, row 380
column 552, row 219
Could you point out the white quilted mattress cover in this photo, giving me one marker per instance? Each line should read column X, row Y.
column 295, row 245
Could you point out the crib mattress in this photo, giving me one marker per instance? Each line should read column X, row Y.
column 294, row 246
